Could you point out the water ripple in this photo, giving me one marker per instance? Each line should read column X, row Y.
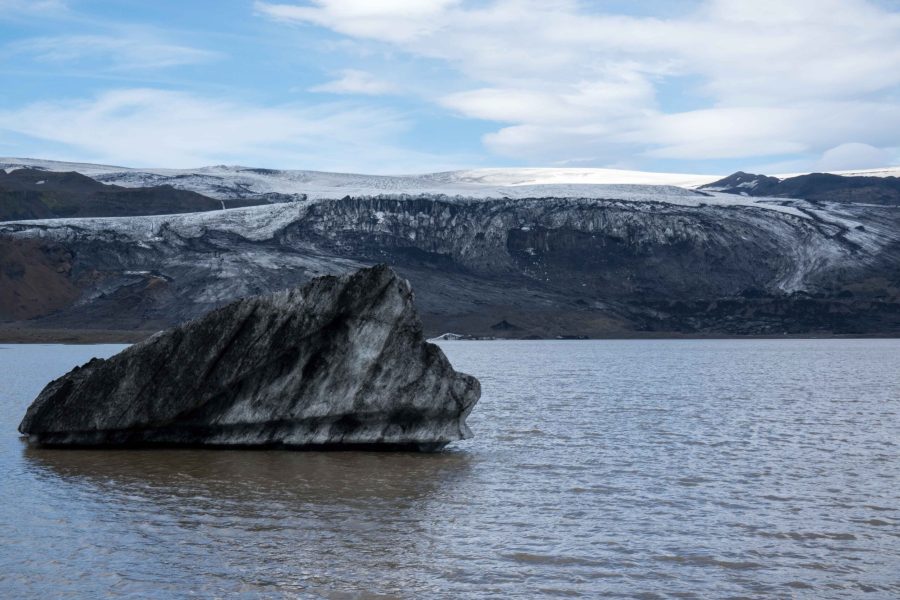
column 632, row 469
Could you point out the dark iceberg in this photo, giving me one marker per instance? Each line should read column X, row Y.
column 339, row 362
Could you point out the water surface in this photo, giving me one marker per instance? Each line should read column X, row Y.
column 637, row 469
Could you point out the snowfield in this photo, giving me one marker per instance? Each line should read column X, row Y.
column 280, row 186
column 229, row 182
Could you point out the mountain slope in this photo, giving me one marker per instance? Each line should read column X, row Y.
column 816, row 187
column 34, row 278
column 34, row 194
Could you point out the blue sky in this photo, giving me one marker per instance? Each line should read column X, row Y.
column 391, row 86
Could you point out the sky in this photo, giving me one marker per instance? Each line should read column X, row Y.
column 399, row 86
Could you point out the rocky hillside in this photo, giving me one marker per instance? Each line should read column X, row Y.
column 34, row 278
column 815, row 187
column 27, row 193
column 656, row 263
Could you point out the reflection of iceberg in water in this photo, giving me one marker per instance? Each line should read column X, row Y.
column 292, row 521
column 306, row 476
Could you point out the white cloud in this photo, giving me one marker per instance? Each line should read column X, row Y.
column 133, row 50
column 393, row 20
column 150, row 127
column 510, row 105
column 853, row 156
column 353, row 81
column 766, row 77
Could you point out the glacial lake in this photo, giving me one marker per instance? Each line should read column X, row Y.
column 632, row 469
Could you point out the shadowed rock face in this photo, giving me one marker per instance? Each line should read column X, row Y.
column 339, row 362
column 38, row 194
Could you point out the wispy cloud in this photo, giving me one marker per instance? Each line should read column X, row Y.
column 353, row 81
column 767, row 77
column 18, row 8
column 151, row 127
column 391, row 20
column 132, row 50
column 853, row 155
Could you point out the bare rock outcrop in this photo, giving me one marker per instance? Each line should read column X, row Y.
column 341, row 361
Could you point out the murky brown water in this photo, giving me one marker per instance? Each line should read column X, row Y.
column 645, row 469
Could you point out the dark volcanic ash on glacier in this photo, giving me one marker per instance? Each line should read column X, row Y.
column 626, row 260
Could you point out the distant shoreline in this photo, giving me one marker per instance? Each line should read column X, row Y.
column 16, row 335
